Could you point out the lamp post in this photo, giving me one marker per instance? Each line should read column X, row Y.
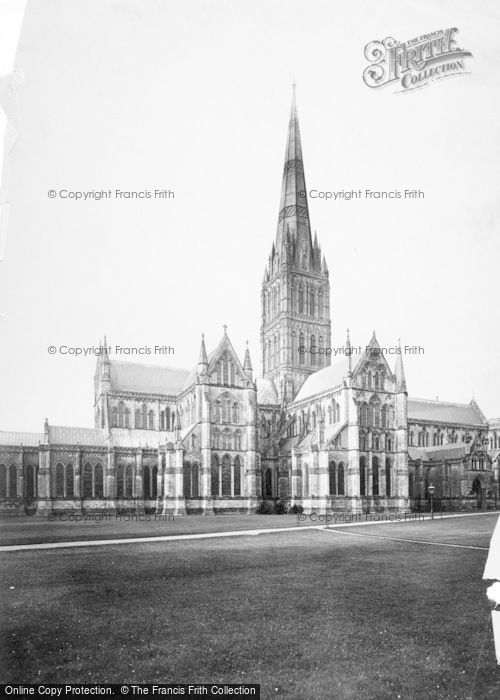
column 431, row 490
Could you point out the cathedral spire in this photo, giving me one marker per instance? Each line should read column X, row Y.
column 247, row 364
column 295, row 296
column 105, row 355
column 293, row 205
column 348, row 350
column 400, row 372
column 105, row 363
column 202, row 360
column 203, row 352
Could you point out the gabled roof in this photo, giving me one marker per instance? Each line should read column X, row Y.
column 332, row 431
column 372, row 351
column 266, row 391
column 122, row 437
column 65, row 435
column 13, row 438
column 442, row 412
column 323, row 380
column 415, row 453
column 225, row 345
column 436, row 454
column 147, row 379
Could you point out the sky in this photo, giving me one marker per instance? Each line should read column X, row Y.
column 194, row 98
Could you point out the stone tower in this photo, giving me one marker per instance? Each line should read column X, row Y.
column 296, row 323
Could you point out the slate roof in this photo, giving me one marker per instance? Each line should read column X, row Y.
column 436, row 454
column 323, row 380
column 147, row 379
column 8, row 437
column 124, row 437
column 441, row 412
column 415, row 453
column 65, row 435
column 266, row 391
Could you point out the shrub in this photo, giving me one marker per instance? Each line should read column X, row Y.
column 265, row 508
column 296, row 510
column 279, row 508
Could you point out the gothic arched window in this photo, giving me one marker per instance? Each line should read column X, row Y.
column 381, row 380
column 70, row 481
column 313, row 350
column 60, row 480
column 236, row 413
column 384, row 417
column 332, row 480
column 3, row 481
column 98, row 481
column 237, row 440
column 121, row 414
column 363, row 415
column 387, row 477
column 151, row 420
column 129, row 481
column 302, row 349
column 341, row 480
column 226, row 475
column 362, row 476
column 375, row 476
column 114, row 417
column 214, row 476
column 120, row 481
column 13, row 481
column 237, row 477
column 88, row 481
column 371, row 414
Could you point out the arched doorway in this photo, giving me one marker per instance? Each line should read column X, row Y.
column 479, row 492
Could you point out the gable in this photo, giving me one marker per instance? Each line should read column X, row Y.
column 224, row 367
column 372, row 363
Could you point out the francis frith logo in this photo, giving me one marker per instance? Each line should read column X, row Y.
column 416, row 62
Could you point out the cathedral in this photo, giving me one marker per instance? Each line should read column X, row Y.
column 308, row 435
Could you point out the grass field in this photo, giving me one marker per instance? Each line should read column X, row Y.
column 338, row 613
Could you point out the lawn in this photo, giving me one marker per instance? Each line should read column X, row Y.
column 35, row 529
column 308, row 614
